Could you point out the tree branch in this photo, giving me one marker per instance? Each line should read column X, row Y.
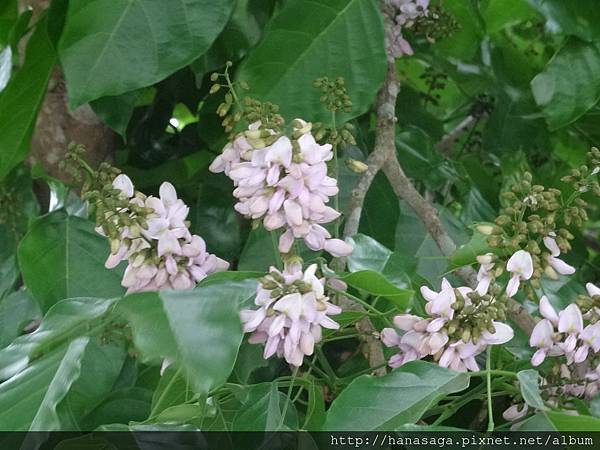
column 447, row 142
column 405, row 190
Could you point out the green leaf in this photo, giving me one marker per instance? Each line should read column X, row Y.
column 173, row 389
column 262, row 410
column 62, row 257
column 579, row 18
column 100, row 367
column 398, row 398
column 29, row 399
column 16, row 311
column 315, row 410
column 110, row 47
column 323, row 38
column 530, row 389
column 567, row 422
column 9, row 11
column 467, row 254
column 376, row 284
column 200, row 329
column 125, row 405
column 242, row 32
column 68, row 371
column 64, row 322
column 503, row 13
column 116, row 110
column 22, row 99
column 367, row 254
column 570, row 83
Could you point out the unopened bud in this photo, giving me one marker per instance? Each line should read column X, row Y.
column 485, row 259
column 356, row 166
column 485, row 229
column 551, row 273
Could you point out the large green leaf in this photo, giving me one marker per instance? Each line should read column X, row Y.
column 263, row 409
column 65, row 321
column 199, row 329
column 29, row 399
column 376, row 284
column 567, row 422
column 22, row 99
column 242, row 32
column 570, row 84
column 63, row 257
column 312, row 38
column 114, row 46
column 388, row 402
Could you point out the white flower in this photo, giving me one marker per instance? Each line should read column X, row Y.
column 521, row 266
column 557, row 264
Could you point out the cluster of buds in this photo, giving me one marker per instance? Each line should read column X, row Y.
column 335, row 98
column 584, row 179
column 406, row 13
column 151, row 234
column 462, row 324
column 292, row 310
column 564, row 334
column 283, row 181
column 533, row 229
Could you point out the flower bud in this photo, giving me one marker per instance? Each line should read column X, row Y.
column 485, row 229
column 356, row 166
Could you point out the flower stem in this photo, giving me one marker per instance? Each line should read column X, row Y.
column 488, row 365
column 289, row 398
column 278, row 261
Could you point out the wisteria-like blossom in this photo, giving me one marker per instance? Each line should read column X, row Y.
column 292, row 310
column 563, row 333
column 484, row 275
column 554, row 262
column 163, row 254
column 520, row 265
column 284, row 183
column 424, row 337
column 407, row 11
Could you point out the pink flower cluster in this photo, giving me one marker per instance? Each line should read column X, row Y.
column 285, row 184
column 407, row 12
column 564, row 334
column 292, row 310
column 424, row 337
column 164, row 254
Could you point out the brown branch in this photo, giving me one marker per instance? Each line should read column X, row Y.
column 405, row 190
column 447, row 142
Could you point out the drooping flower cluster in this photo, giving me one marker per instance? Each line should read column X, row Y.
column 461, row 325
column 407, row 12
column 152, row 234
column 283, row 182
column 292, row 310
column 564, row 334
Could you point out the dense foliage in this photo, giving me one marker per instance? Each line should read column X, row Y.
column 205, row 275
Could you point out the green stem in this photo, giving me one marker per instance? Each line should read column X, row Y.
column 278, row 261
column 289, row 398
column 326, row 366
column 488, row 365
column 484, row 373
